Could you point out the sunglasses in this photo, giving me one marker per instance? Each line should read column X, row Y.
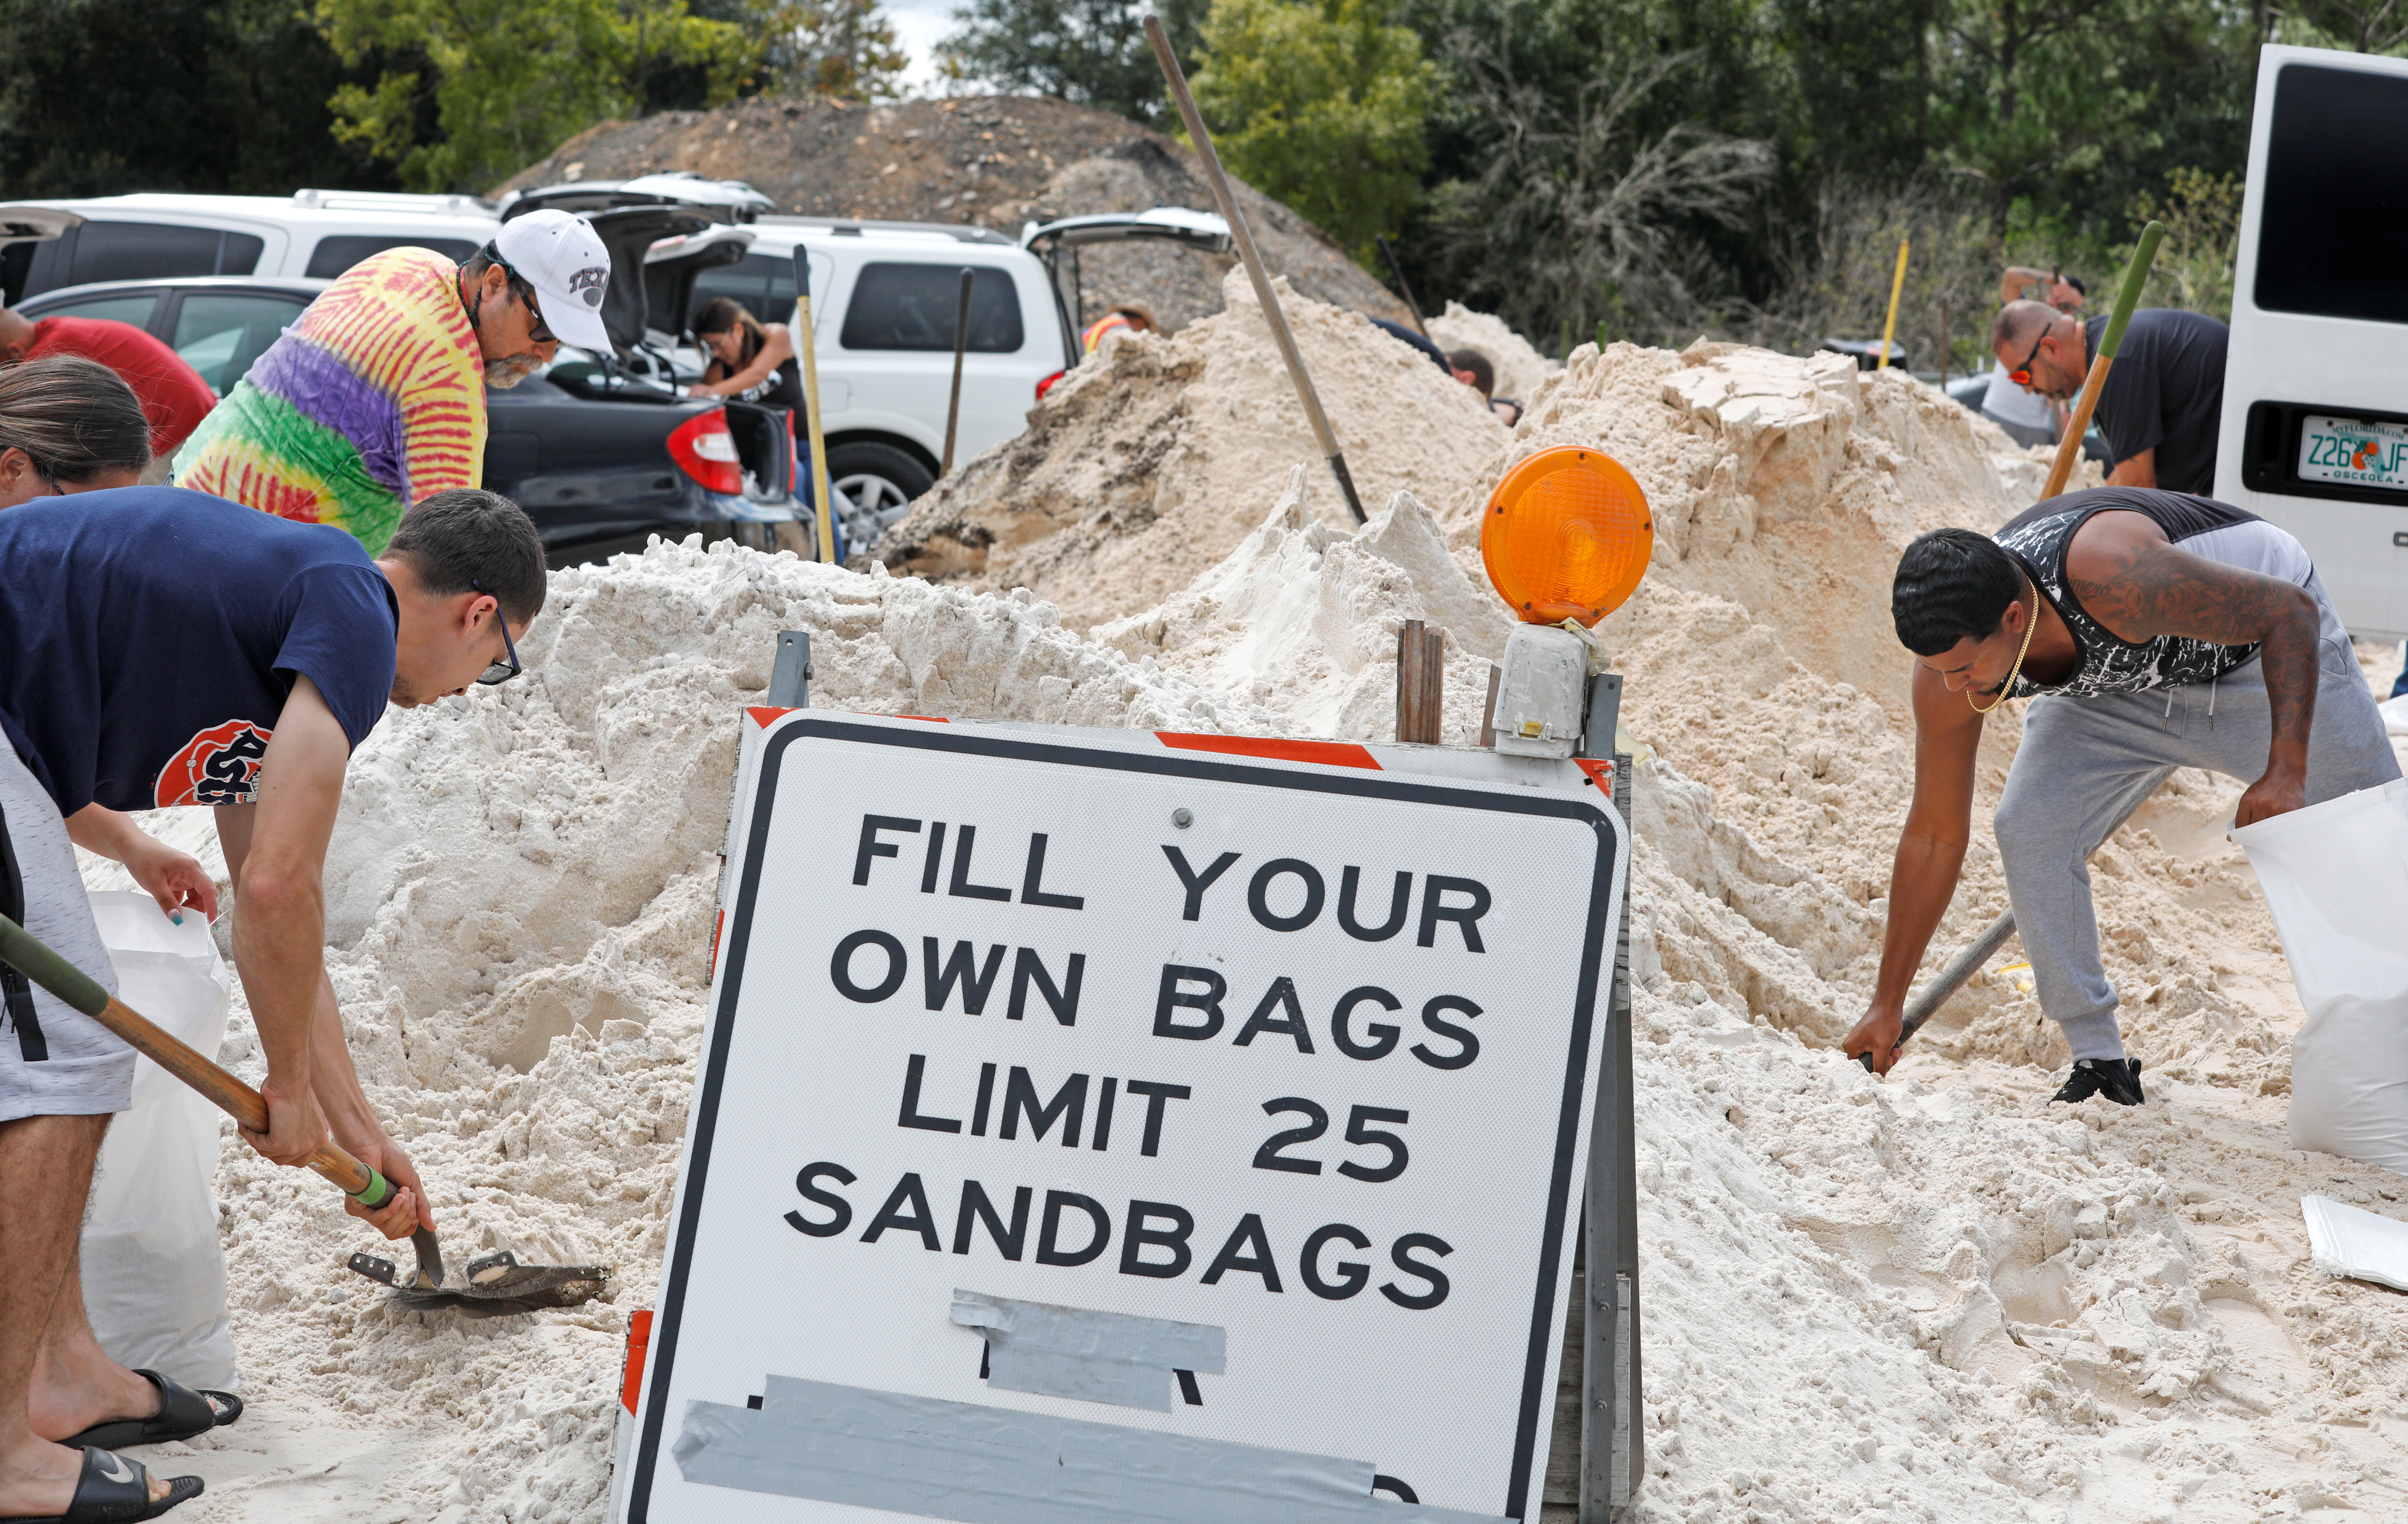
column 2021, row 375
column 500, row 671
column 537, row 331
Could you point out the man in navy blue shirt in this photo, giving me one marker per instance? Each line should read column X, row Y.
column 158, row 648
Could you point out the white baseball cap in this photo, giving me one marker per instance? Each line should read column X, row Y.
column 561, row 255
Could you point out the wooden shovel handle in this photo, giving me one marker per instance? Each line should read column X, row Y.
column 25, row 952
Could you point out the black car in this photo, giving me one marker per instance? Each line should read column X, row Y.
column 596, row 453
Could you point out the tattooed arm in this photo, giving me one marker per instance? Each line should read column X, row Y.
column 2133, row 581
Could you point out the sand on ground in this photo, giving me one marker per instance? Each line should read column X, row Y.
column 1933, row 1298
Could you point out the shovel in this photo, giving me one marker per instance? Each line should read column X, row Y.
column 494, row 1284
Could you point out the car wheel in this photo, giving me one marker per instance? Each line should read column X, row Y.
column 875, row 484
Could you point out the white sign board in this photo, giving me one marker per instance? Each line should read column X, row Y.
column 1099, row 1126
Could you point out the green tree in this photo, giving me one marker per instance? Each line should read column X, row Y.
column 509, row 80
column 1092, row 52
column 2366, row 26
column 102, row 97
column 2033, row 98
column 1591, row 198
column 839, row 48
column 2194, row 265
column 1319, row 103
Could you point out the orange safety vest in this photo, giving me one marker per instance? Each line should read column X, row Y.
column 1109, row 322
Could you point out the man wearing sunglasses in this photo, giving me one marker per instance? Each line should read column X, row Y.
column 2164, row 399
column 376, row 398
column 166, row 648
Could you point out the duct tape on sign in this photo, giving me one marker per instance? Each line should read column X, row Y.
column 1107, row 1126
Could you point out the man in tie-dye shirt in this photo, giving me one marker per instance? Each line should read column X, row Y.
column 376, row 399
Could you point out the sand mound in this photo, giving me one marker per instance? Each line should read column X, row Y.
column 1303, row 617
column 1935, row 1298
column 1155, row 458
column 1521, row 370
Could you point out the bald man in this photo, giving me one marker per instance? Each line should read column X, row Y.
column 2163, row 400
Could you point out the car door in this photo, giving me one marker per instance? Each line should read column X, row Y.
column 895, row 338
column 220, row 334
column 138, row 307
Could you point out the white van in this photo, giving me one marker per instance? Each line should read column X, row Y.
column 310, row 235
column 2314, row 432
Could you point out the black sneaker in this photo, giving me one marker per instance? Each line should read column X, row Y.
column 2118, row 1082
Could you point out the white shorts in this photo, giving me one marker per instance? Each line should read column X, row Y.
column 63, row 1063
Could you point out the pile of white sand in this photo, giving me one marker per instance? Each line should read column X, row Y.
column 1155, row 457
column 1935, row 1298
column 1521, row 369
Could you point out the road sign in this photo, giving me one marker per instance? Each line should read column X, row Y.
column 1113, row 1126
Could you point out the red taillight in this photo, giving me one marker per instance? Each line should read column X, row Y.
column 705, row 450
column 1047, row 385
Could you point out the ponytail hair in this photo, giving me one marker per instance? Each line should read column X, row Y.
column 74, row 419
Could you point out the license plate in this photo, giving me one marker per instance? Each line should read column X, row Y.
column 2353, row 450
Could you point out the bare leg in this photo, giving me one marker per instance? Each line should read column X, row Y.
column 45, row 1175
column 75, row 1384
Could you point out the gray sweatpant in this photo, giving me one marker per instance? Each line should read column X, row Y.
column 2084, row 759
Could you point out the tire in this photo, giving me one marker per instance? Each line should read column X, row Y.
column 875, row 484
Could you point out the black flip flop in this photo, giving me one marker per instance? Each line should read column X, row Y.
column 183, row 1412
column 112, row 1490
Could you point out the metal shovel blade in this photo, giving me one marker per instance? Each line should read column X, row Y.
column 494, row 1286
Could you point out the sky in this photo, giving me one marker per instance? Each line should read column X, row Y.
column 920, row 24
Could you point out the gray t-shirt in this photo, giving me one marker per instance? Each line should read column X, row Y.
column 2165, row 393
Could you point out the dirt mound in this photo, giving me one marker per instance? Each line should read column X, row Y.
column 1521, row 369
column 993, row 161
column 1155, row 458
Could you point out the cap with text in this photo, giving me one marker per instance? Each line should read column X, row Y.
column 561, row 255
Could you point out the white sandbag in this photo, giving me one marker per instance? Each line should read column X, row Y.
column 2336, row 877
column 155, row 1278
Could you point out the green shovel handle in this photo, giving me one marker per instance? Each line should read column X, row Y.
column 2136, row 275
column 29, row 955
column 25, row 952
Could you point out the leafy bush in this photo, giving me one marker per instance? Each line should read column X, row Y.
column 1319, row 103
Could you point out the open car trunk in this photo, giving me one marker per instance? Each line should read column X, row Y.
column 22, row 232
column 641, row 291
column 1058, row 243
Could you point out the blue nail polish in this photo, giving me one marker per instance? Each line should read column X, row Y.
column 177, row 918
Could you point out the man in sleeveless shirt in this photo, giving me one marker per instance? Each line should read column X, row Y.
column 2151, row 631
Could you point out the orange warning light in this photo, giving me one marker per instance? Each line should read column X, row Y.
column 1567, row 536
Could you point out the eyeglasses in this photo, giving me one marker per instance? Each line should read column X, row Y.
column 2021, row 375
column 500, row 671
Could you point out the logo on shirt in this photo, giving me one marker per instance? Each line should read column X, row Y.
column 220, row 766
column 589, row 280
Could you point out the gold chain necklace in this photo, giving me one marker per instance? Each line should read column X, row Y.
column 2007, row 686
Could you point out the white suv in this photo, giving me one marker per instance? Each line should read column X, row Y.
column 884, row 300
column 310, row 235
column 883, row 295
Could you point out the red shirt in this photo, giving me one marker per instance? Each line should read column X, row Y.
column 173, row 396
